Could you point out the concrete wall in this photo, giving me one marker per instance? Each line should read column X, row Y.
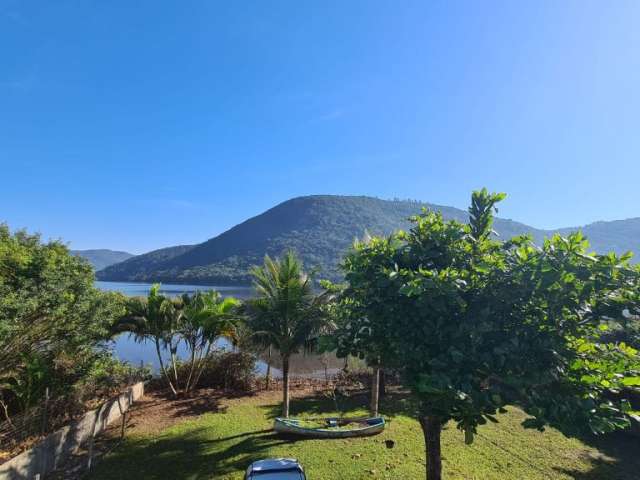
column 56, row 447
column 635, row 425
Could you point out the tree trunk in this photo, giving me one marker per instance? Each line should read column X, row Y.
column 192, row 366
column 163, row 369
column 174, row 360
column 285, row 386
column 375, row 391
column 202, row 363
column 268, row 376
column 431, row 428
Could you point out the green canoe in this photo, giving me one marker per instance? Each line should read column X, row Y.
column 331, row 427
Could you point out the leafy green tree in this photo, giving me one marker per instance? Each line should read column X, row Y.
column 474, row 324
column 286, row 312
column 206, row 317
column 155, row 318
column 49, row 311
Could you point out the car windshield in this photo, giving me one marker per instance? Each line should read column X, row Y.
column 277, row 476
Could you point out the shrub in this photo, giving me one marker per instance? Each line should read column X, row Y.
column 226, row 370
column 108, row 376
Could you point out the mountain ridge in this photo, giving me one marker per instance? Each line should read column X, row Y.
column 320, row 228
column 101, row 258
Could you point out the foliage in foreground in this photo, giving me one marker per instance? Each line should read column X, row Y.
column 475, row 324
column 53, row 323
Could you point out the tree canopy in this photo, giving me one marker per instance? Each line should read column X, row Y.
column 286, row 313
column 53, row 321
column 475, row 323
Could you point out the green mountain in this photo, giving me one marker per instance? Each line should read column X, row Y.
column 320, row 228
column 102, row 258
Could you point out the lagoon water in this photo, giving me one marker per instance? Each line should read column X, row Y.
column 126, row 348
column 133, row 289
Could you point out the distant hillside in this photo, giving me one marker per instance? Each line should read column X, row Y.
column 131, row 269
column 320, row 228
column 102, row 258
column 618, row 236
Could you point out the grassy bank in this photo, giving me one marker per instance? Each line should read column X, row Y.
column 221, row 445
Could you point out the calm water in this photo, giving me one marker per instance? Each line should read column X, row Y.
column 172, row 290
column 127, row 349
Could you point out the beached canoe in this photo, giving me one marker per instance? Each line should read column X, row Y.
column 330, row 427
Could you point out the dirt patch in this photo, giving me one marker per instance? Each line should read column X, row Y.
column 159, row 410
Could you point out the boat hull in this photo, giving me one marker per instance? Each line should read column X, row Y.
column 289, row 427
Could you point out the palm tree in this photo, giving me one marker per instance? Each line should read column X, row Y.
column 153, row 319
column 206, row 317
column 286, row 314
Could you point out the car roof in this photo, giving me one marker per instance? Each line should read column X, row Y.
column 275, row 465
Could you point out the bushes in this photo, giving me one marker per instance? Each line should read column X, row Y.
column 108, row 376
column 75, row 382
column 227, row 371
column 53, row 323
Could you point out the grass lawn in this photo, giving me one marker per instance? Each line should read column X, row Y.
column 221, row 445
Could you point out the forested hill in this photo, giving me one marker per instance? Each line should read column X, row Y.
column 102, row 258
column 320, row 228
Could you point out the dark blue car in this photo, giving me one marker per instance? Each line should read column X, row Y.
column 275, row 469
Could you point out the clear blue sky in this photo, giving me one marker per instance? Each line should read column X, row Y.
column 140, row 124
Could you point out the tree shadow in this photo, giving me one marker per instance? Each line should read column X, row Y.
column 392, row 404
column 193, row 455
column 188, row 407
column 620, row 459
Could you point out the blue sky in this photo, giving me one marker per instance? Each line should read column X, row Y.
column 137, row 125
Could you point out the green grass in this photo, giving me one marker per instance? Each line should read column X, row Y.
column 221, row 445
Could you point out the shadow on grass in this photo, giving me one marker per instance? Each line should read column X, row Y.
column 322, row 405
column 189, row 456
column 620, row 453
column 620, row 458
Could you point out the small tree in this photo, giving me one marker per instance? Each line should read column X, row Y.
column 154, row 318
column 206, row 317
column 286, row 314
column 474, row 324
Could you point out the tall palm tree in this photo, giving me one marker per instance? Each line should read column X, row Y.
column 206, row 317
column 286, row 313
column 153, row 319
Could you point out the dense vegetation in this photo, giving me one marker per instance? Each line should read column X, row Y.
column 102, row 258
column 320, row 229
column 474, row 324
column 198, row 320
column 53, row 325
